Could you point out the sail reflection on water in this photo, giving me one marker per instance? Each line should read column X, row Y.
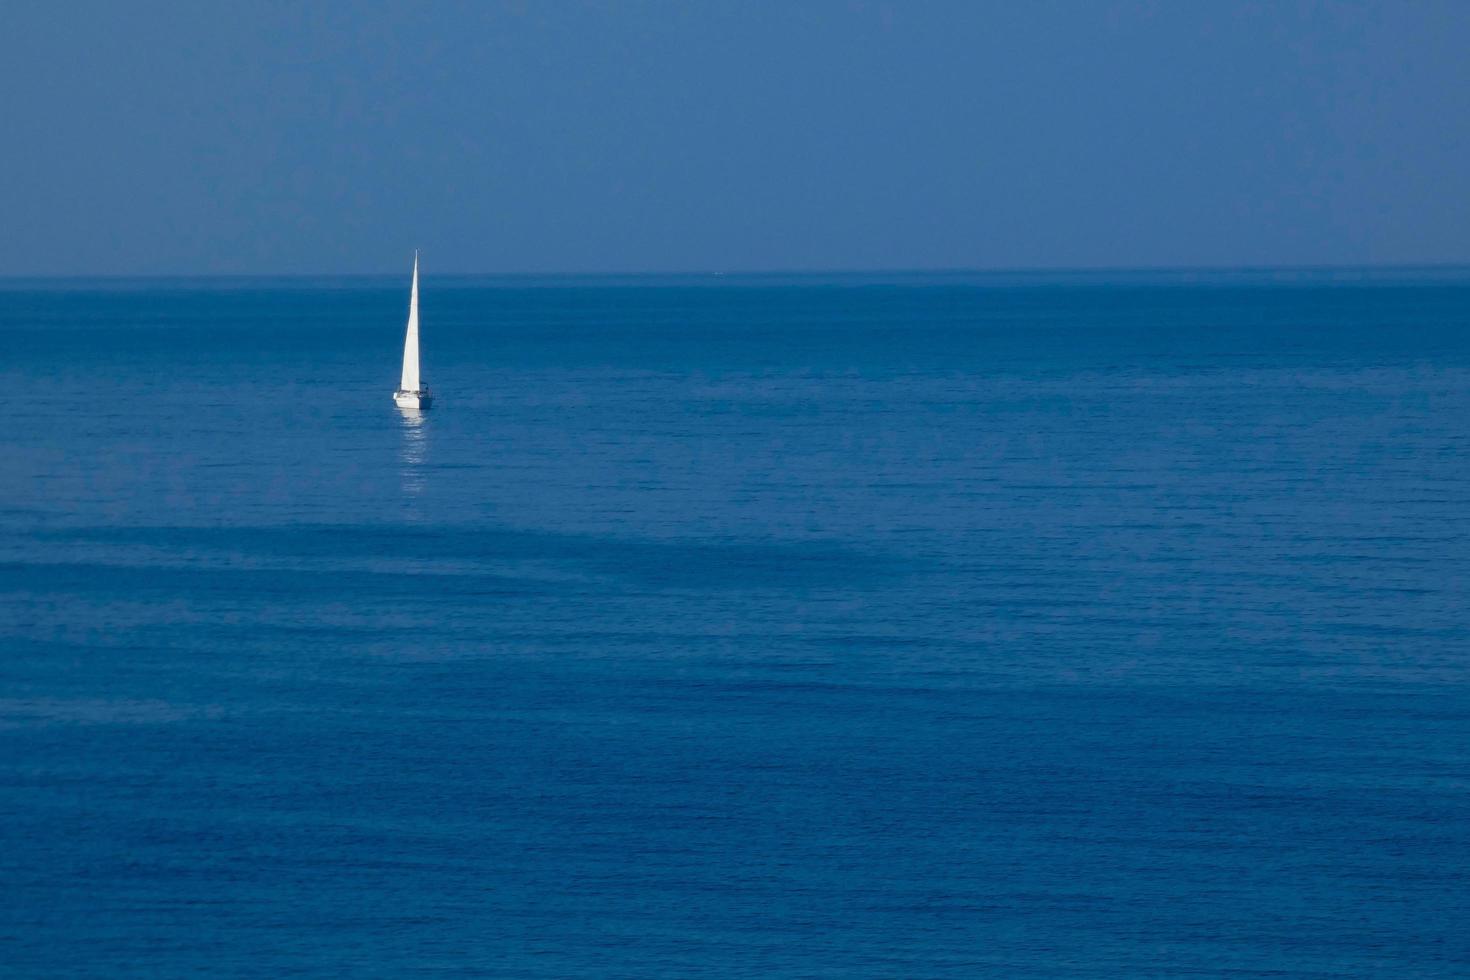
column 413, row 450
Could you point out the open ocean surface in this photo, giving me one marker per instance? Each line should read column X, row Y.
column 883, row 627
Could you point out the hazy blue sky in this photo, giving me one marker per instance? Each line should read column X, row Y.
column 248, row 137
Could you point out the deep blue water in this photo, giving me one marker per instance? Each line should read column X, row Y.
column 1089, row 626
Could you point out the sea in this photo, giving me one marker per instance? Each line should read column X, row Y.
column 1109, row 624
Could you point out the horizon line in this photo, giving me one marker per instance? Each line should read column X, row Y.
column 778, row 273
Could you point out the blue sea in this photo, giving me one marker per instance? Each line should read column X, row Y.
column 946, row 626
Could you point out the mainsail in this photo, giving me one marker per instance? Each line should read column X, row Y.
column 411, row 341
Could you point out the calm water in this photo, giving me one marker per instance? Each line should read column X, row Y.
column 946, row 627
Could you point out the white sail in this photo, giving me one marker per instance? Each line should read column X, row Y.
column 410, row 380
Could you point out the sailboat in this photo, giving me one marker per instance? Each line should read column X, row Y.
column 411, row 392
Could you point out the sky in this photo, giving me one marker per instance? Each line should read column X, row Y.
column 208, row 138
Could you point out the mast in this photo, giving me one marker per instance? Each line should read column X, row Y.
column 410, row 380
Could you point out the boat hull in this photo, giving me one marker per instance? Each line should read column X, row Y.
column 412, row 399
